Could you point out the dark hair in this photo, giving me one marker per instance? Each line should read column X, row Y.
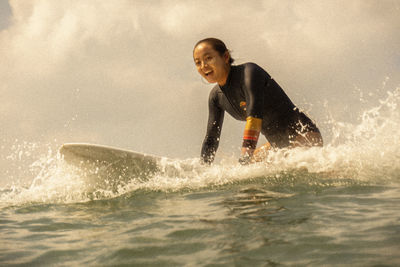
column 218, row 46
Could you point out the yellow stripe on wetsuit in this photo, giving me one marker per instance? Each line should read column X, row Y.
column 251, row 132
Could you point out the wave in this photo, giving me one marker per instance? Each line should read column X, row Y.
column 365, row 152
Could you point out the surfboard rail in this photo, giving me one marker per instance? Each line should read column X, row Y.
column 105, row 167
column 95, row 152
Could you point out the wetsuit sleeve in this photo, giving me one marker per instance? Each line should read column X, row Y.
column 254, row 81
column 251, row 132
column 215, row 120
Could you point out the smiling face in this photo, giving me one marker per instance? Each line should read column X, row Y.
column 213, row 66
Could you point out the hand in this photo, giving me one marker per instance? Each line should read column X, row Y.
column 246, row 156
column 245, row 159
column 261, row 153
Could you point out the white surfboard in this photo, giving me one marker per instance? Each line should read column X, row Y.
column 107, row 167
column 78, row 152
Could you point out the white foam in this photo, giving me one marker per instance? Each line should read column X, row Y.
column 370, row 152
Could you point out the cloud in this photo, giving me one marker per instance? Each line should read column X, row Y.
column 5, row 13
column 121, row 72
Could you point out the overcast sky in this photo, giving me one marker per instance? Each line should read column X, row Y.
column 121, row 73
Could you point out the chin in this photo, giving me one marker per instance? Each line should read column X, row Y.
column 209, row 80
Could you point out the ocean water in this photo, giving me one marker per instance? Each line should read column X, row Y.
column 333, row 206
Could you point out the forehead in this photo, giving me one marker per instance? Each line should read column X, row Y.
column 203, row 49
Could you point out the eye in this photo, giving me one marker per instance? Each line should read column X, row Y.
column 197, row 63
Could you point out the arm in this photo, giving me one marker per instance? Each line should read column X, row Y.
column 250, row 138
column 254, row 82
column 214, row 126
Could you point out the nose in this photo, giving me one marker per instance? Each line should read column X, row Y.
column 203, row 64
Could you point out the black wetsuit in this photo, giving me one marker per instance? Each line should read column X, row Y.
column 250, row 91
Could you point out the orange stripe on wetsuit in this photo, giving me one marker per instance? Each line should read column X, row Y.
column 251, row 132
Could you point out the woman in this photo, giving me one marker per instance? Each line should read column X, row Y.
column 248, row 93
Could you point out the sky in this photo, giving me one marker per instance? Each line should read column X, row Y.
column 121, row 73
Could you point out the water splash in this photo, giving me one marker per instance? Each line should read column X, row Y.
column 364, row 152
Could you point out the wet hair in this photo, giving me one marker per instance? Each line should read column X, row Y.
column 218, row 46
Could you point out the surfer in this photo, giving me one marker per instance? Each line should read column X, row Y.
column 248, row 93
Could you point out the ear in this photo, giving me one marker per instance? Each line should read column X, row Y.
column 227, row 56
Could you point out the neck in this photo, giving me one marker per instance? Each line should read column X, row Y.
column 223, row 80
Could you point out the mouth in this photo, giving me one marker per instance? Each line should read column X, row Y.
column 208, row 73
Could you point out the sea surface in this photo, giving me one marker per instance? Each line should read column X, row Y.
column 333, row 206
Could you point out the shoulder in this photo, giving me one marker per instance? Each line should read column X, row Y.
column 214, row 92
column 251, row 69
column 250, row 65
